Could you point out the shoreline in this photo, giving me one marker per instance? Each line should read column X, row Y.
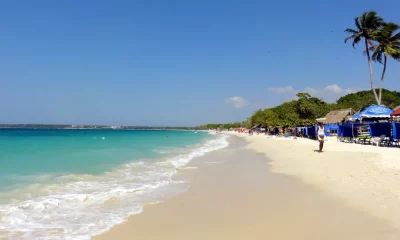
column 237, row 192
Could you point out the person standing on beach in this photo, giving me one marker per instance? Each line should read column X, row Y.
column 321, row 135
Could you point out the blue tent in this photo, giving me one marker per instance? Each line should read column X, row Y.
column 396, row 130
column 373, row 111
column 311, row 131
column 378, row 129
column 329, row 128
column 349, row 129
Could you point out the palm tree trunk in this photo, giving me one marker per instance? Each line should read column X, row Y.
column 383, row 75
column 371, row 77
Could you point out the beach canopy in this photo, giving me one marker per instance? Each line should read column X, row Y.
column 379, row 129
column 395, row 113
column 373, row 111
column 396, row 130
column 349, row 129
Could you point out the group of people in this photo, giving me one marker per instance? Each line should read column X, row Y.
column 320, row 134
column 292, row 132
column 287, row 132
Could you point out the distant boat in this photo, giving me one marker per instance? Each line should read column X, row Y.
column 195, row 132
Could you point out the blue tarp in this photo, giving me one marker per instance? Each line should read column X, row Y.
column 346, row 132
column 310, row 131
column 396, row 130
column 379, row 129
column 330, row 127
column 373, row 111
column 349, row 129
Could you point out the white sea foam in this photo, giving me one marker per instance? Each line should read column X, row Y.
column 80, row 206
column 187, row 168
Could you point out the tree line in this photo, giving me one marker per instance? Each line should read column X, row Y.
column 306, row 109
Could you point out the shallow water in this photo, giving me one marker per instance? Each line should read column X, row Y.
column 72, row 184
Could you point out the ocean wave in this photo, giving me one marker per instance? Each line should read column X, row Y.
column 80, row 206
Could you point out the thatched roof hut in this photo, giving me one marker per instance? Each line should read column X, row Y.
column 338, row 116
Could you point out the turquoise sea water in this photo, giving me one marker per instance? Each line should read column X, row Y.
column 72, row 184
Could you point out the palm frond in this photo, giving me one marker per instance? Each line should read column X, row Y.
column 397, row 36
column 377, row 56
column 396, row 57
column 348, row 38
column 385, row 32
column 372, row 21
column 349, row 30
column 357, row 22
column 362, row 20
column 371, row 49
column 356, row 40
column 391, row 27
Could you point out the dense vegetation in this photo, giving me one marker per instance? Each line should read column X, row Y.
column 306, row 109
column 223, row 126
column 360, row 100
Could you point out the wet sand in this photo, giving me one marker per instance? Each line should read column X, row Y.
column 234, row 194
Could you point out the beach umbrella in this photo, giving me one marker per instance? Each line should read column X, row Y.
column 373, row 111
column 395, row 113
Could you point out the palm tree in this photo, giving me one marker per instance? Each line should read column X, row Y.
column 388, row 46
column 368, row 24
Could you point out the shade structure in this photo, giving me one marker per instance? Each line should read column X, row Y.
column 349, row 129
column 373, row 111
column 329, row 128
column 310, row 131
column 395, row 113
column 379, row 129
column 396, row 130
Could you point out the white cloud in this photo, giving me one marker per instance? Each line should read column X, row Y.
column 336, row 89
column 237, row 102
column 329, row 93
column 287, row 89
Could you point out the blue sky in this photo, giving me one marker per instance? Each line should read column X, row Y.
column 176, row 62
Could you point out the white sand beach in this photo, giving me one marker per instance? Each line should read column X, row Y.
column 268, row 188
column 366, row 177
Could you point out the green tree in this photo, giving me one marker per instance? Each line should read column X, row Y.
column 310, row 108
column 388, row 46
column 363, row 99
column 271, row 118
column 368, row 25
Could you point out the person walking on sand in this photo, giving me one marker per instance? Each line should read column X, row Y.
column 321, row 135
